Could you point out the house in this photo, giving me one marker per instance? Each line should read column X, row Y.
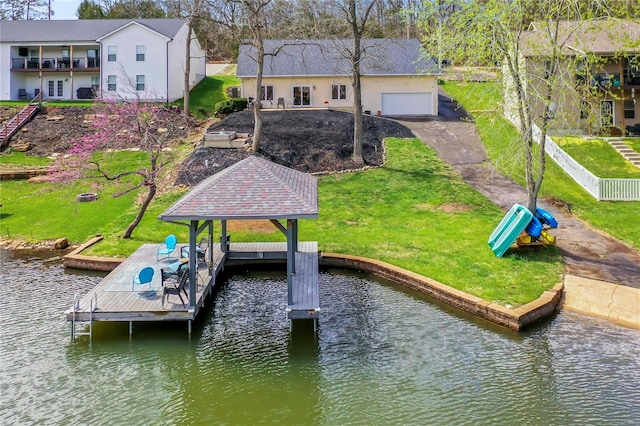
column 396, row 77
column 104, row 58
column 598, row 80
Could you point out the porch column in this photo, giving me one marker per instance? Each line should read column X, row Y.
column 193, row 262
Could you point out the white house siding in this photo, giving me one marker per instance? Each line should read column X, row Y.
column 6, row 77
column 176, row 64
column 126, row 68
column 321, row 87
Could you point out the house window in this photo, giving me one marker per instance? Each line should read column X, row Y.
column 51, row 88
column 339, row 91
column 139, row 82
column 606, row 114
column 112, row 53
column 140, row 51
column 95, row 82
column 629, row 109
column 111, row 83
column 60, row 87
column 266, row 93
column 92, row 58
column 584, row 110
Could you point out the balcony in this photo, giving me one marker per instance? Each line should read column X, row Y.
column 54, row 64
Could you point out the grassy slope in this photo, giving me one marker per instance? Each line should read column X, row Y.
column 619, row 219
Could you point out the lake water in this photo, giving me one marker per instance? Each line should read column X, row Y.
column 383, row 356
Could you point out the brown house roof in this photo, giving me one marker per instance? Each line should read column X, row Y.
column 253, row 188
column 604, row 37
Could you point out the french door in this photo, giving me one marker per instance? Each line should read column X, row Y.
column 55, row 88
column 301, row 96
column 606, row 114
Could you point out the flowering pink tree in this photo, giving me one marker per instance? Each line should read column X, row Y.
column 123, row 125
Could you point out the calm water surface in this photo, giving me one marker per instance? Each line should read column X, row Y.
column 383, row 356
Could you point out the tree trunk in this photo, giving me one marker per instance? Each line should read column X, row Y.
column 357, row 120
column 257, row 105
column 143, row 209
column 187, row 71
column 356, row 57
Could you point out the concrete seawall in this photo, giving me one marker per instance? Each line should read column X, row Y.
column 515, row 319
column 612, row 302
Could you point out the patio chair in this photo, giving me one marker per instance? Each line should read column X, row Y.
column 168, row 247
column 175, row 284
column 22, row 94
column 200, row 249
column 142, row 279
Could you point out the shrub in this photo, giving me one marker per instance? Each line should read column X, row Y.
column 229, row 106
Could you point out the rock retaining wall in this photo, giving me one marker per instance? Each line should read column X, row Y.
column 515, row 319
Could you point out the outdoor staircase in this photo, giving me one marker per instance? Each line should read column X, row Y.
column 626, row 151
column 14, row 124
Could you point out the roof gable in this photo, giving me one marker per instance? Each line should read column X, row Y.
column 321, row 57
column 130, row 24
column 253, row 188
column 79, row 30
column 603, row 37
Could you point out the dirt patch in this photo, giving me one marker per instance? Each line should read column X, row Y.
column 252, row 226
column 455, row 207
column 56, row 128
column 308, row 141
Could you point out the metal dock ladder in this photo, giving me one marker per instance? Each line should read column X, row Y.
column 76, row 308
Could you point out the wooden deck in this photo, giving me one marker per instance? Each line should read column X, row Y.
column 114, row 300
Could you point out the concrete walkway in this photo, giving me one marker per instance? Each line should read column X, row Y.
column 589, row 254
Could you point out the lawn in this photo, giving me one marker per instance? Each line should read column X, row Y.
column 597, row 156
column 501, row 139
column 415, row 212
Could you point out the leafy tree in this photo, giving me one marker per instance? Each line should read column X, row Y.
column 90, row 9
column 496, row 31
column 120, row 9
column 120, row 125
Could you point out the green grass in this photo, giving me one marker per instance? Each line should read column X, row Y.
column 597, row 156
column 415, row 212
column 14, row 158
column 634, row 143
column 501, row 139
column 211, row 90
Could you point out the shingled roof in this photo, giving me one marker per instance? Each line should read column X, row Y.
column 79, row 30
column 603, row 37
column 253, row 188
column 320, row 57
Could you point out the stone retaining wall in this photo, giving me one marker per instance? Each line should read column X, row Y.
column 94, row 263
column 515, row 319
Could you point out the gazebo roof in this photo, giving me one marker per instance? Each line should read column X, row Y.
column 253, row 188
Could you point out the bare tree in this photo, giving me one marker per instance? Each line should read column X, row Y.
column 357, row 20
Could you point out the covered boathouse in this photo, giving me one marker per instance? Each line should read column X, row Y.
column 251, row 189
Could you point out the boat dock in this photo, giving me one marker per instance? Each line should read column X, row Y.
column 114, row 300
column 251, row 189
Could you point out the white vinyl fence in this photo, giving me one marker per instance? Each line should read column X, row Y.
column 603, row 189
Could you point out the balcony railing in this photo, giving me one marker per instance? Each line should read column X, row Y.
column 55, row 63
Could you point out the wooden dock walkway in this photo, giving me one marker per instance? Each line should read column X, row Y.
column 113, row 299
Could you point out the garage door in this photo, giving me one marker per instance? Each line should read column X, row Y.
column 419, row 103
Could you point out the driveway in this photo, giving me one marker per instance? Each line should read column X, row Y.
column 587, row 252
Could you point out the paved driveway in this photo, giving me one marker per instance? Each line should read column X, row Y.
column 588, row 253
